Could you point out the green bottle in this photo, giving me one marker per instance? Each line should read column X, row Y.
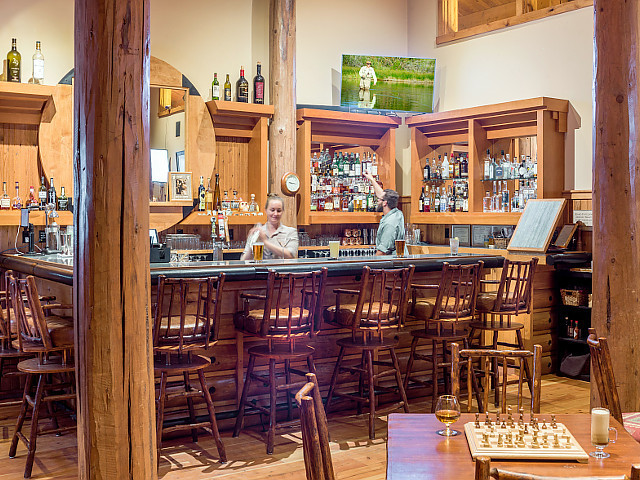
column 14, row 61
column 227, row 90
column 215, row 88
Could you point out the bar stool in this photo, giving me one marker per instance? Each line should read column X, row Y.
column 513, row 297
column 381, row 305
column 50, row 338
column 286, row 320
column 187, row 318
column 446, row 317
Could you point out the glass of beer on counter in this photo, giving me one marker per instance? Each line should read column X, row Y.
column 334, row 248
column 400, row 244
column 600, row 432
column 258, row 250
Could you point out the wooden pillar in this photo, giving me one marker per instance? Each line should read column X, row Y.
column 616, row 191
column 116, row 414
column 282, row 68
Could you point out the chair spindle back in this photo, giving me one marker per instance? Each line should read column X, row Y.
column 603, row 374
column 516, row 287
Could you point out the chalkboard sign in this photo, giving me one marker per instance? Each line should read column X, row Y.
column 535, row 228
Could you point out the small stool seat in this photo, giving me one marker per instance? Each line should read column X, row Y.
column 494, row 326
column 279, row 351
column 371, row 344
column 181, row 363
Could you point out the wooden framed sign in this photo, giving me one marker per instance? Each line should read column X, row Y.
column 565, row 235
column 535, row 228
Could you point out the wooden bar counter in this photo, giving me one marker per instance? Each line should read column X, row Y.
column 229, row 356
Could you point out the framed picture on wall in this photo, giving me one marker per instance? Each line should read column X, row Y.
column 180, row 166
column 180, row 186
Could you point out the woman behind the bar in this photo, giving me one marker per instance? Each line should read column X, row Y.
column 279, row 240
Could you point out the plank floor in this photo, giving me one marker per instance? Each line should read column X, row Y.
column 355, row 457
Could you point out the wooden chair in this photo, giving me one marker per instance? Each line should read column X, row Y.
column 445, row 317
column 50, row 339
column 187, row 318
column 513, row 297
column 485, row 472
column 506, row 359
column 381, row 306
column 287, row 319
column 315, row 432
column 603, row 376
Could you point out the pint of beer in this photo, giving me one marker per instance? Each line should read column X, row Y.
column 400, row 248
column 258, row 250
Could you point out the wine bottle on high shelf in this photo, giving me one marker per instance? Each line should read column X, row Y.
column 208, row 196
column 242, row 88
column 202, row 201
column 487, row 166
column 63, row 200
column 5, row 201
column 52, row 197
column 445, row 167
column 217, row 201
column 215, row 88
column 227, row 89
column 42, row 194
column 37, row 62
column 258, row 85
column 14, row 61
column 427, row 170
column 16, row 203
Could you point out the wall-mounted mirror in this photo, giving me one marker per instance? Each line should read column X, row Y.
column 168, row 130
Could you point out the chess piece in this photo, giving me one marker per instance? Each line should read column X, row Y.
column 500, row 439
column 510, row 418
column 521, row 419
column 544, row 425
column 477, row 425
column 526, row 428
column 487, row 420
column 485, row 440
column 520, row 440
column 504, row 425
column 568, row 444
column 545, row 441
column 556, row 441
column 534, row 441
column 553, row 421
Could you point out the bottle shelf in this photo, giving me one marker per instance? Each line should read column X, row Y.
column 577, row 341
column 22, row 103
column 337, row 218
column 508, row 179
column 10, row 218
column 482, row 218
column 199, row 218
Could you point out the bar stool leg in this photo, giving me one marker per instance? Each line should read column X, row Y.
column 396, row 366
column 160, row 419
column 494, row 374
column 434, row 374
column 33, row 435
column 334, row 379
column 243, row 398
column 287, row 376
column 362, row 367
column 414, row 344
column 192, row 412
column 527, row 372
column 311, row 365
column 212, row 417
column 372, row 396
column 272, row 407
column 445, row 370
column 21, row 416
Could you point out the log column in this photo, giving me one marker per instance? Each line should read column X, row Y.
column 116, row 431
column 616, row 191
column 282, row 69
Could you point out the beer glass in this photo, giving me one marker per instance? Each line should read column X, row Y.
column 334, row 248
column 454, row 244
column 400, row 248
column 258, row 250
column 600, row 432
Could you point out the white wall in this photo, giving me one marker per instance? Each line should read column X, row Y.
column 552, row 57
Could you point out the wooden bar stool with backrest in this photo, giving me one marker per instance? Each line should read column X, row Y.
column 187, row 318
column 381, row 306
column 446, row 317
column 602, row 370
column 286, row 320
column 467, row 358
column 50, row 338
column 513, row 297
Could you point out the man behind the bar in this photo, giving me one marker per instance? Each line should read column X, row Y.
column 392, row 222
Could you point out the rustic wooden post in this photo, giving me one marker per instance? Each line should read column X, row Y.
column 116, row 429
column 616, row 191
column 282, row 132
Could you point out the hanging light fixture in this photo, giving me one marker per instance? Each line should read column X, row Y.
column 165, row 98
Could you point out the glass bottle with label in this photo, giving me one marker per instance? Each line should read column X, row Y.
column 37, row 62
column 52, row 197
column 487, row 166
column 16, row 203
column 208, row 196
column 5, row 201
column 63, row 200
column 426, row 171
column 258, row 85
column 32, row 201
column 486, row 202
column 202, row 200
column 227, row 89
column 253, row 205
column 215, row 88
column 242, row 88
column 217, row 202
column 42, row 194
column 445, row 167
column 14, row 63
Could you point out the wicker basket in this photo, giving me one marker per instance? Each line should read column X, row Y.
column 574, row 298
column 501, row 242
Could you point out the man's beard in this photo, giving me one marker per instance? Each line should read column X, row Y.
column 379, row 208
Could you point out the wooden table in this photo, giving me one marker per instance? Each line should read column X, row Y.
column 416, row 451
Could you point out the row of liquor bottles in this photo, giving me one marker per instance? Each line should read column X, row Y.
column 502, row 201
column 343, row 202
column 211, row 202
column 343, row 165
column 14, row 64
column 242, row 87
column 443, row 169
column 505, row 169
column 35, row 201
column 455, row 198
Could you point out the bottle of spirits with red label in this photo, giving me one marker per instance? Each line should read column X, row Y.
column 16, row 204
column 258, row 86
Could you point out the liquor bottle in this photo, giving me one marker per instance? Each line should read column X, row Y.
column 569, row 324
column 456, row 168
column 426, row 206
column 445, row 167
column 227, row 89
column 63, row 200
column 576, row 330
column 215, row 88
column 37, row 62
column 487, row 166
column 486, row 202
column 421, row 201
column 225, row 202
column 217, row 202
column 235, row 202
column 208, row 197
column 258, row 85
column 5, row 201
column 427, row 171
column 202, row 196
column 451, row 201
column 444, row 201
column 465, row 198
column 498, row 172
column 52, row 197
column 253, row 205
column 42, row 194
column 32, row 201
column 242, row 88
column 505, row 198
column 14, row 61
column 436, row 201
column 16, row 204
column 464, row 167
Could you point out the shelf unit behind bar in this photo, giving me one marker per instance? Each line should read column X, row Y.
column 501, row 126
column 348, row 132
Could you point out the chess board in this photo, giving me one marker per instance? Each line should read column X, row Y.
column 517, row 441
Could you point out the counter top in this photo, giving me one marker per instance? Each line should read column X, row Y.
column 59, row 268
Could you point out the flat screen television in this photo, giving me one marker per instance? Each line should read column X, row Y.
column 159, row 165
column 387, row 83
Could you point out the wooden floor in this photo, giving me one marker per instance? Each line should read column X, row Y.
column 355, row 457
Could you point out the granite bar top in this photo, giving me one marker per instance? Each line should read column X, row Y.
column 59, row 268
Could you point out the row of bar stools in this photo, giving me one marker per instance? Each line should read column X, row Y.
column 50, row 339
column 286, row 319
